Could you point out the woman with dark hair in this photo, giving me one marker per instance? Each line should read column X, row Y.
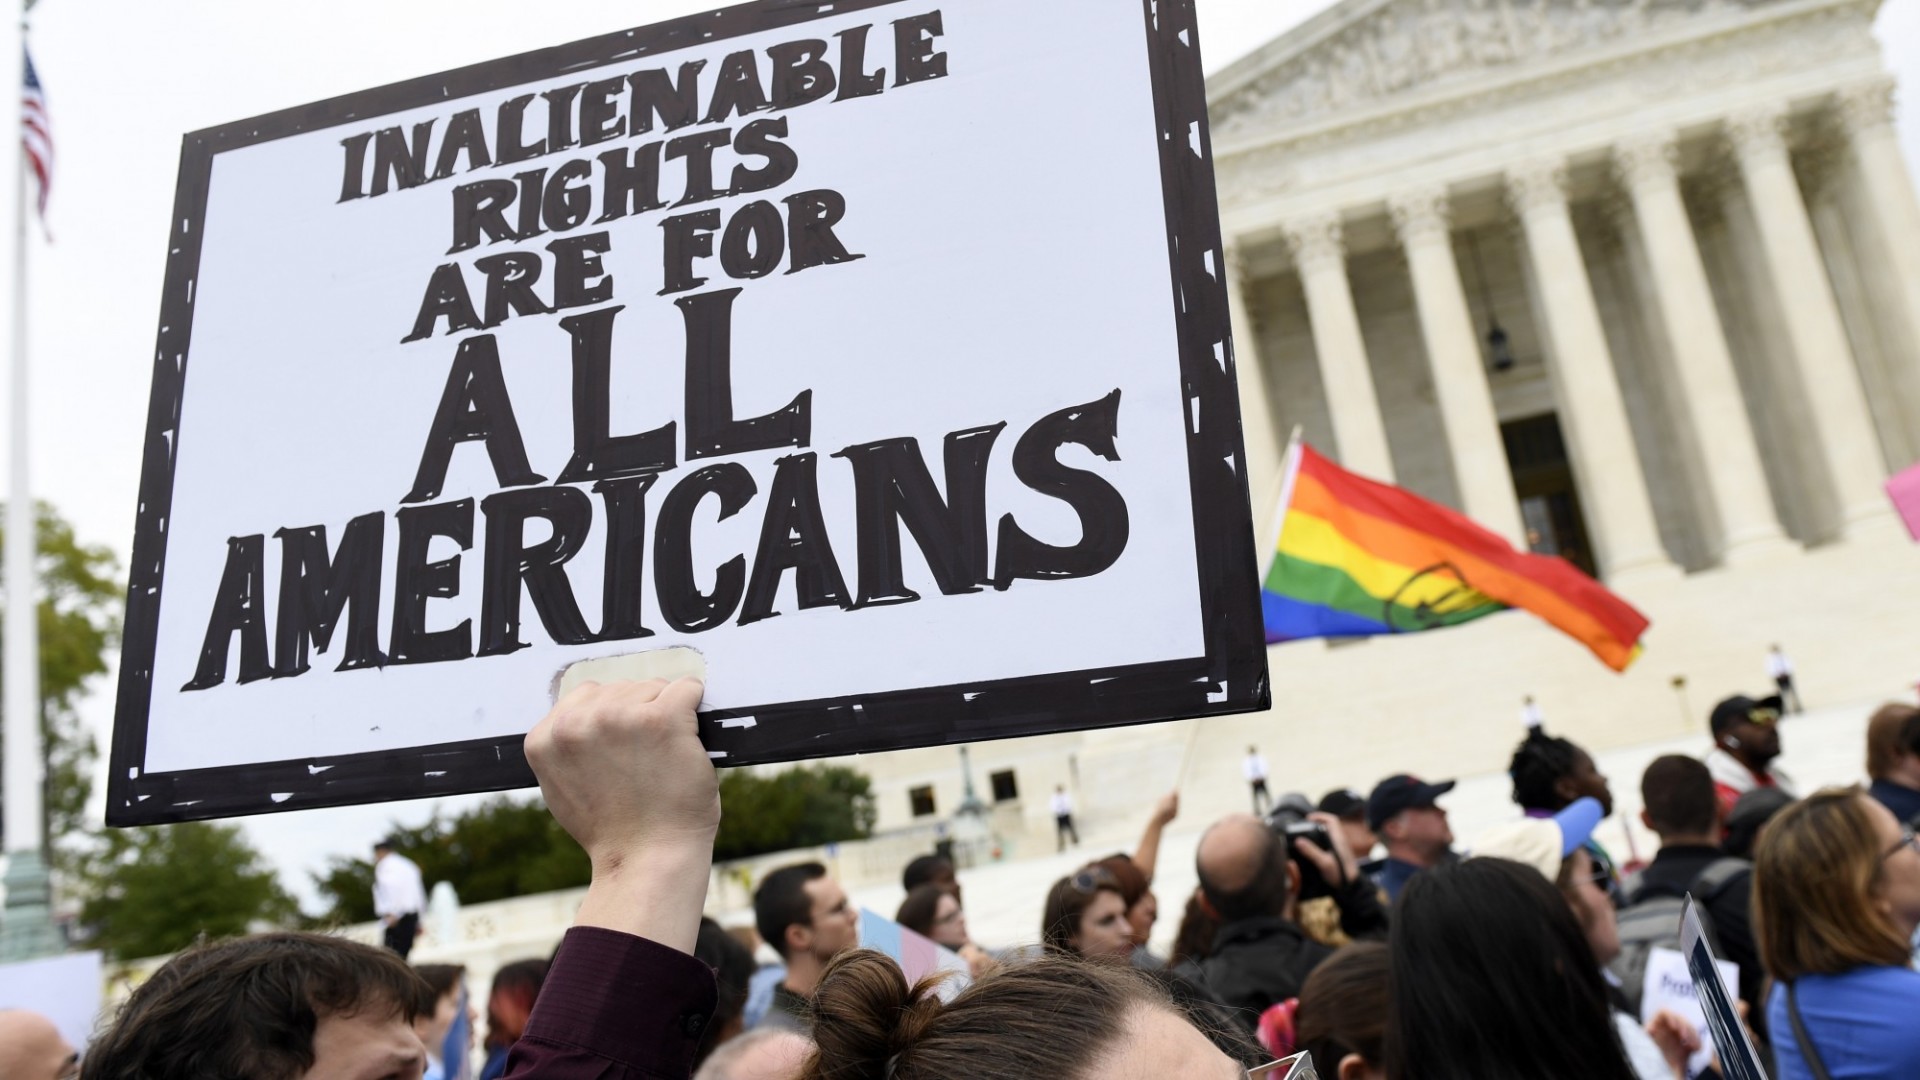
column 1134, row 873
column 1493, row 978
column 870, row 1025
column 1086, row 916
column 515, row 987
column 933, row 912
column 1836, row 899
column 1341, row 1021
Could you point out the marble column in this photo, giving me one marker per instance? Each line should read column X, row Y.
column 1472, row 427
column 1259, row 431
column 1823, row 358
column 1866, row 111
column 1711, row 401
column 1319, row 251
column 1613, row 488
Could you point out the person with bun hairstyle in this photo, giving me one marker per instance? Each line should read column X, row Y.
column 1086, row 916
column 1836, row 899
column 1055, row 1017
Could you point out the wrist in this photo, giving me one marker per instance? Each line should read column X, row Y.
column 656, row 892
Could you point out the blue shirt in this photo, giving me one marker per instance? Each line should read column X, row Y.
column 1393, row 876
column 1903, row 801
column 1861, row 1024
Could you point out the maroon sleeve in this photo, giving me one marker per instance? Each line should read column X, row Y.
column 615, row 1007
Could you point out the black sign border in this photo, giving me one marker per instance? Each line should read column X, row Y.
column 1230, row 678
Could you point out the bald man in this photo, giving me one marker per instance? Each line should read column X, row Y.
column 1261, row 956
column 31, row 1048
column 761, row 1054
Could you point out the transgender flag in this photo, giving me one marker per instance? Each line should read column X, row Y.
column 917, row 956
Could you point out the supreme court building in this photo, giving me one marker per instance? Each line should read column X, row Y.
column 1637, row 283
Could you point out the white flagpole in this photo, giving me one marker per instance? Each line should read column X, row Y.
column 26, row 925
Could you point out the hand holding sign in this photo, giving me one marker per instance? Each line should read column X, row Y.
column 622, row 769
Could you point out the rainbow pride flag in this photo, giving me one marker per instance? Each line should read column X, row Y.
column 1355, row 558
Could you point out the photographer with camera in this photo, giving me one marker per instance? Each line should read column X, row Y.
column 1253, row 875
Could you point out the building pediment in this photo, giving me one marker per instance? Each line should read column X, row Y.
column 1363, row 55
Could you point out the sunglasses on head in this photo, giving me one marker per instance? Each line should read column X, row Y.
column 1092, row 880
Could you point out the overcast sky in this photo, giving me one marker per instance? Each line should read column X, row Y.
column 125, row 78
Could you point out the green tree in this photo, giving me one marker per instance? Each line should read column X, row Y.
column 156, row 890
column 506, row 848
column 800, row 807
column 81, row 598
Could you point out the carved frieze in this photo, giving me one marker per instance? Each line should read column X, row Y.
column 1410, row 44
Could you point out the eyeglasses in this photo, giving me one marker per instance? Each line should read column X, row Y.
column 1907, row 840
column 1092, row 880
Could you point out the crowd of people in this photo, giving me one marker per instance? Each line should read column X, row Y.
column 1356, row 929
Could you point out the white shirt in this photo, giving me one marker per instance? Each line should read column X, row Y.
column 396, row 887
column 1730, row 772
column 1530, row 714
column 1778, row 665
column 1255, row 767
column 1062, row 804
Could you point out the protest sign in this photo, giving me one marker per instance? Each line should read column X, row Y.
column 1739, row 1060
column 1669, row 987
column 877, row 349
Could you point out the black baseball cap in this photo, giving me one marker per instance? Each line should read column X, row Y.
column 1742, row 709
column 1343, row 803
column 1401, row 792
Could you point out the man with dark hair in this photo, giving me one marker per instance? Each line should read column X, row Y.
column 441, row 1010
column 1682, row 807
column 271, row 1007
column 398, row 896
column 805, row 915
column 1260, row 954
column 1746, row 740
column 1405, row 812
column 930, row 870
column 1549, row 774
column 1351, row 808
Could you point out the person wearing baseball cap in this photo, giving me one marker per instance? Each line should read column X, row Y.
column 1412, row 829
column 1351, row 808
column 1746, row 740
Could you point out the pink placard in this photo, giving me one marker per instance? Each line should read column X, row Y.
column 1904, row 489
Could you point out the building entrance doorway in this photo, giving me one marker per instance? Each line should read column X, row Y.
column 1543, row 482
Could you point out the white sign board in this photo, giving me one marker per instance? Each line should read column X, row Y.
column 1669, row 987
column 877, row 349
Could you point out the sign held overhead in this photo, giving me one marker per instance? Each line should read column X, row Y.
column 877, row 349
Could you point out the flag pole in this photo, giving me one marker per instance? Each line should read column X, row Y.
column 26, row 923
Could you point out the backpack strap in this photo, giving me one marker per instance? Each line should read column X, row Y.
column 1808, row 1054
column 1718, row 874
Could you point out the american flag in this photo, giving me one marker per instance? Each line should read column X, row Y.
column 36, row 133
